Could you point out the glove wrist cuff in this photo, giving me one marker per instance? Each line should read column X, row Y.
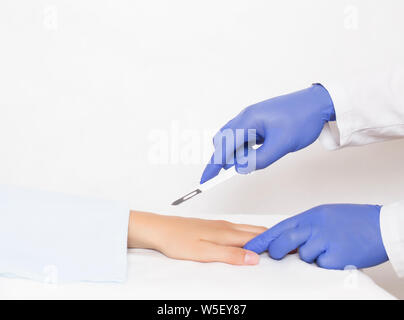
column 324, row 100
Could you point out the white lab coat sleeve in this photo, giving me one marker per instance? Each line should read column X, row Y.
column 369, row 108
column 54, row 237
column 392, row 229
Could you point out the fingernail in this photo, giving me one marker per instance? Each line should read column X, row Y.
column 251, row 258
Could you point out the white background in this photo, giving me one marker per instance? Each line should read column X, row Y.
column 85, row 84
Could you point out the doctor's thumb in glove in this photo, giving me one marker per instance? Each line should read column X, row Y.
column 334, row 236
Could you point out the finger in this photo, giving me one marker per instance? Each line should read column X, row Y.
column 233, row 238
column 227, row 166
column 327, row 261
column 249, row 159
column 311, row 250
column 211, row 171
column 213, row 168
column 245, row 159
column 210, row 252
column 250, row 228
column 260, row 243
column 228, row 139
column 231, row 137
column 234, row 135
column 271, row 151
column 241, row 159
column 245, row 156
column 288, row 241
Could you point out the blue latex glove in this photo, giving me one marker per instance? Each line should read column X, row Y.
column 283, row 124
column 335, row 236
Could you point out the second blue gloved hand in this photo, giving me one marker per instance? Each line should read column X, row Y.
column 282, row 125
column 335, row 236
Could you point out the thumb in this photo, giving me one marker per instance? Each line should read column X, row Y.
column 211, row 252
column 211, row 171
column 261, row 242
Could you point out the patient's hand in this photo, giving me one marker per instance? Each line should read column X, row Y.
column 193, row 239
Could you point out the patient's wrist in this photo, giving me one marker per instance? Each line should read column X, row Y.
column 141, row 230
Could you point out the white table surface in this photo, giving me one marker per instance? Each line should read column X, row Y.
column 151, row 275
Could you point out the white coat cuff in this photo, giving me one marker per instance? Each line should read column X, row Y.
column 54, row 237
column 336, row 134
column 392, row 230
